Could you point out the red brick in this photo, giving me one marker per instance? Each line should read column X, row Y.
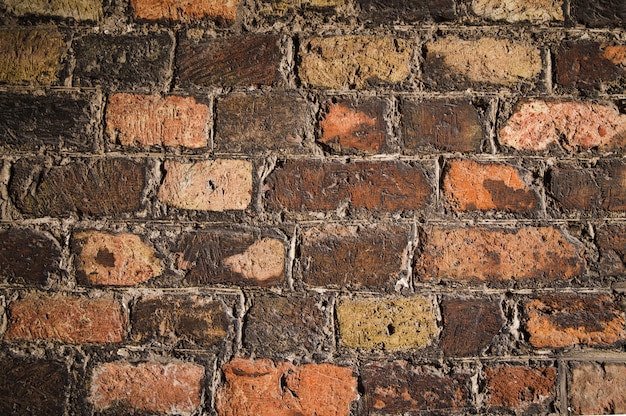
column 590, row 65
column 611, row 241
column 173, row 388
column 67, row 319
column 520, row 388
column 379, row 186
column 485, row 254
column 27, row 256
column 265, row 388
column 469, row 325
column 470, row 185
column 221, row 10
column 598, row 389
column 556, row 321
column 151, row 120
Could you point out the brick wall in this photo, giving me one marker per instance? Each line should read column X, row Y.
column 316, row 207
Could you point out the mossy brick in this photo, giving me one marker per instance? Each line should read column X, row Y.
column 528, row 390
column 382, row 12
column 79, row 10
column 599, row 13
column 222, row 11
column 28, row 256
column 514, row 11
column 597, row 388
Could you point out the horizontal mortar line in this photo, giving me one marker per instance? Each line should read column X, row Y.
column 460, row 291
column 549, row 355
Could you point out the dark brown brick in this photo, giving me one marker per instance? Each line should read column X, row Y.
column 399, row 388
column 260, row 123
column 32, row 387
column 379, row 186
column 57, row 121
column 590, row 65
column 96, row 187
column 469, row 325
column 123, row 62
column 386, row 11
column 523, row 389
column 353, row 256
column 449, row 125
column 27, row 256
column 611, row 242
column 180, row 321
column 599, row 13
column 246, row 60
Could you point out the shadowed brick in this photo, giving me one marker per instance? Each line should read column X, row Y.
column 469, row 325
column 220, row 10
column 27, row 256
column 30, row 56
column 387, row 11
column 590, row 65
column 513, row 11
column 283, row 7
column 598, row 388
column 599, row 13
column 521, row 388
column 75, row 9
column 611, row 241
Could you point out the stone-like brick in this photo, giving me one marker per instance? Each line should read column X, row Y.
column 151, row 120
column 249, row 124
column 67, row 319
column 513, row 11
column 611, row 241
column 469, row 325
column 348, row 62
column 350, row 126
column 469, row 185
column 27, row 256
column 540, row 125
column 563, row 320
column 32, row 386
column 387, row 11
column 599, row 13
column 220, row 10
column 246, row 60
column 590, row 65
column 399, row 388
column 96, row 187
column 523, row 389
column 441, row 124
column 31, row 56
column 123, row 62
column 597, row 389
column 181, row 321
column 75, row 9
column 173, row 388
column 460, row 63
column 231, row 257
column 484, row 254
column 283, row 7
column 265, row 388
column 104, row 258
column 379, row 186
column 277, row 326
column 388, row 324
column 352, row 256
column 212, row 185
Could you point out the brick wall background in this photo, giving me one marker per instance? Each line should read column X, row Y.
column 315, row 207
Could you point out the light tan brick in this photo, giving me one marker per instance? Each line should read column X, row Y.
column 512, row 11
column 76, row 9
column 30, row 56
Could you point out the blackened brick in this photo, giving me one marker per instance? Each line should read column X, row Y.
column 386, row 11
column 27, row 256
column 599, row 13
column 590, row 65
column 469, row 325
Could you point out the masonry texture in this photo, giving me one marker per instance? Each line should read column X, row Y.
column 312, row 207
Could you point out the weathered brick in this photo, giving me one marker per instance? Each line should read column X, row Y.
column 104, row 258
column 28, row 256
column 282, row 7
column 399, row 388
column 180, row 321
column 32, row 386
column 151, row 120
column 277, row 326
column 388, row 324
column 469, row 325
column 484, row 254
column 173, row 388
column 469, row 185
column 540, row 125
column 212, row 185
column 123, row 62
column 231, row 257
column 590, row 65
column 75, row 9
column 460, row 63
column 386, row 11
column 441, row 124
column 611, row 241
column 248, row 124
column 245, row 60
column 353, row 256
column 266, row 388
column 350, row 126
column 31, row 56
column 599, row 13
column 94, row 187
column 67, row 319
column 513, row 11
column 380, row 186
column 563, row 320
column 220, row 10
column 598, row 389
column 349, row 62
column 524, row 389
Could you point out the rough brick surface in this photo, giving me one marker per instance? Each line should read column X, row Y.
column 469, row 325
column 348, row 62
column 213, row 185
column 380, row 186
column 27, row 256
column 104, row 258
column 388, row 324
column 68, row 319
column 151, row 120
column 483, row 254
column 611, row 241
column 265, row 388
column 173, row 388
column 470, row 185
column 556, row 321
column 284, row 7
column 512, row 11
column 599, row 13
column 221, row 10
column 590, row 65
column 520, row 388
column 75, row 9
column 31, row 56
column 598, row 389
column 383, row 11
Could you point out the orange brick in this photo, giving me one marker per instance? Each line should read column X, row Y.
column 520, row 387
column 185, row 10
